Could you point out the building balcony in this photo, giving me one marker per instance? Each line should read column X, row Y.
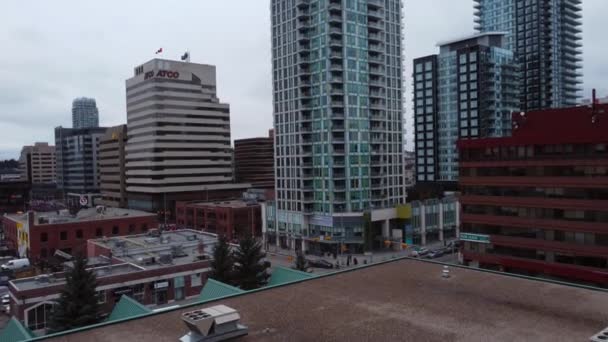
column 375, row 4
column 375, row 26
column 376, row 13
column 376, row 59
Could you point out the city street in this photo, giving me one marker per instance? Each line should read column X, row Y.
column 286, row 258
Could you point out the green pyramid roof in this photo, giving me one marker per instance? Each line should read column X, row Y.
column 15, row 331
column 215, row 289
column 282, row 275
column 127, row 307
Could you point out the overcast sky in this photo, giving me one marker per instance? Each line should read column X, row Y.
column 55, row 51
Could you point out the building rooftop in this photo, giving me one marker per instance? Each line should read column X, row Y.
column 575, row 125
column 54, row 279
column 90, row 214
column 180, row 247
column 474, row 36
column 403, row 300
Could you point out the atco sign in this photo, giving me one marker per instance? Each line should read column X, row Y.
column 162, row 73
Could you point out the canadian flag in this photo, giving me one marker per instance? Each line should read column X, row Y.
column 159, row 51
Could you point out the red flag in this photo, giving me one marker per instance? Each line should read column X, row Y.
column 159, row 51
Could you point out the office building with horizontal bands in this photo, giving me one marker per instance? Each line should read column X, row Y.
column 77, row 152
column 37, row 235
column 112, row 167
column 178, row 134
column 37, row 163
column 545, row 36
column 468, row 90
column 338, row 115
column 537, row 202
column 254, row 161
column 85, row 113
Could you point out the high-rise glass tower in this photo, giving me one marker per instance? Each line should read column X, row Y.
column 338, row 115
column 85, row 113
column 469, row 90
column 545, row 36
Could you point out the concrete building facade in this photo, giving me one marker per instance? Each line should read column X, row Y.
column 112, row 168
column 178, row 135
column 338, row 116
column 37, row 164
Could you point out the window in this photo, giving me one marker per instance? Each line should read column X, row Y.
column 99, row 232
column 196, row 280
column 79, row 234
column 37, row 317
column 131, row 229
column 144, row 227
column 115, row 230
column 101, row 297
column 63, row 236
column 138, row 292
column 178, row 285
column 44, row 237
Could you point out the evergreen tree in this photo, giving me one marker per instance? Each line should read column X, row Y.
column 78, row 303
column 300, row 263
column 222, row 263
column 250, row 268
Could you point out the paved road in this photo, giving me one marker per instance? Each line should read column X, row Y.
column 285, row 258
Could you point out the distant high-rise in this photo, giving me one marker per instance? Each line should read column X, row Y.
column 37, row 163
column 338, row 116
column 85, row 113
column 254, row 161
column 77, row 159
column 545, row 36
column 467, row 91
column 111, row 159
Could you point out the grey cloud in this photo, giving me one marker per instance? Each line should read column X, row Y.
column 54, row 51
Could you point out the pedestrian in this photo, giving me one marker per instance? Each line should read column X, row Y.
column 355, row 262
column 348, row 260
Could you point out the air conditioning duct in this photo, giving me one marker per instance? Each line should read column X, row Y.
column 217, row 323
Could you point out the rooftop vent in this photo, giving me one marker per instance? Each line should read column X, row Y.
column 165, row 258
column 145, row 261
column 602, row 336
column 192, row 237
column 217, row 323
column 154, row 232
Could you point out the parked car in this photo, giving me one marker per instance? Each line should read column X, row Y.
column 435, row 254
column 420, row 252
column 16, row 264
column 455, row 244
column 319, row 263
column 6, row 299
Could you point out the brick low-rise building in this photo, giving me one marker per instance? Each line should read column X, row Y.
column 37, row 235
column 234, row 219
column 536, row 203
column 154, row 269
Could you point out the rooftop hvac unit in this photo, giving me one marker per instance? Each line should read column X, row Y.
column 602, row 336
column 145, row 261
column 178, row 251
column 165, row 258
column 154, row 232
column 192, row 237
column 217, row 323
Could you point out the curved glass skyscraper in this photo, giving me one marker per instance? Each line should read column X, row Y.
column 85, row 113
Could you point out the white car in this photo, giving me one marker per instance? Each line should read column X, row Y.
column 6, row 300
column 420, row 252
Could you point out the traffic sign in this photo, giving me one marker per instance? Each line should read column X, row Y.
column 475, row 237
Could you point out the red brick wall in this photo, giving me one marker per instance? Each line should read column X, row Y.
column 126, row 226
column 228, row 221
